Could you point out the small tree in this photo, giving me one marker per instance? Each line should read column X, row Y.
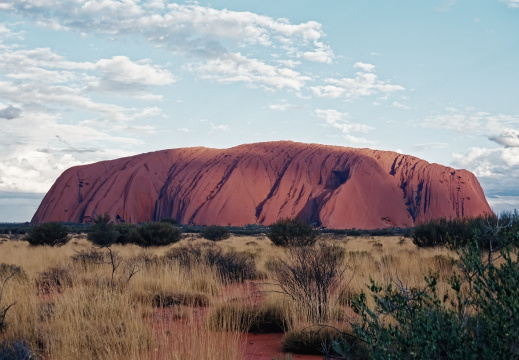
column 155, row 234
column 51, row 233
column 215, row 233
column 103, row 231
column 292, row 232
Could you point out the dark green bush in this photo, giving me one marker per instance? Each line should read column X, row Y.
column 103, row 232
column 51, row 233
column 489, row 231
column 215, row 233
column 292, row 232
column 155, row 234
column 124, row 230
column 479, row 319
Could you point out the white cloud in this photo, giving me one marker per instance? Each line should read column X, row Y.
column 322, row 53
column 364, row 83
column 496, row 169
column 221, row 127
column 339, row 121
column 471, row 121
column 234, row 68
column 120, row 69
column 429, row 145
column 364, row 67
column 212, row 38
column 398, row 105
column 511, row 3
column 44, row 94
column 499, row 203
column 508, row 137
column 282, row 106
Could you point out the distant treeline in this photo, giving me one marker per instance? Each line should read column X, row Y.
column 247, row 230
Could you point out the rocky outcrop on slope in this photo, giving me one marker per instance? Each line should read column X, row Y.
column 336, row 187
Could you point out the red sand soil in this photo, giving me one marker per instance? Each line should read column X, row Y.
column 254, row 346
column 337, row 187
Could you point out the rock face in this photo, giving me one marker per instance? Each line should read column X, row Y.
column 336, row 187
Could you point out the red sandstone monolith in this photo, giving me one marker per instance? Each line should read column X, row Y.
column 332, row 186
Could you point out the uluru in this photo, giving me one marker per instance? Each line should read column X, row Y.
column 329, row 186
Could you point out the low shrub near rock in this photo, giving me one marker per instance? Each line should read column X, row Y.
column 51, row 233
column 103, row 232
column 155, row 234
column 215, row 233
column 292, row 232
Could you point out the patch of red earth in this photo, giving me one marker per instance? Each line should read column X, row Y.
column 247, row 293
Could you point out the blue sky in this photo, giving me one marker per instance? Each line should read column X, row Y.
column 84, row 81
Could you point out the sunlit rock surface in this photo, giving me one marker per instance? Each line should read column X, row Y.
column 332, row 186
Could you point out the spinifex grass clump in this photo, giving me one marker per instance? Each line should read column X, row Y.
column 230, row 265
column 95, row 323
column 310, row 276
column 266, row 318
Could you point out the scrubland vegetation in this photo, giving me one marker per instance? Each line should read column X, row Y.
column 343, row 297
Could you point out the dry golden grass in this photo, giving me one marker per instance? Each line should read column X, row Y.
column 99, row 315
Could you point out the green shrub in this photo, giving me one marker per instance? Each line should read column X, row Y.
column 124, row 230
column 478, row 320
column 215, row 233
column 155, row 234
column 103, row 232
column 292, row 232
column 489, row 231
column 51, row 233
